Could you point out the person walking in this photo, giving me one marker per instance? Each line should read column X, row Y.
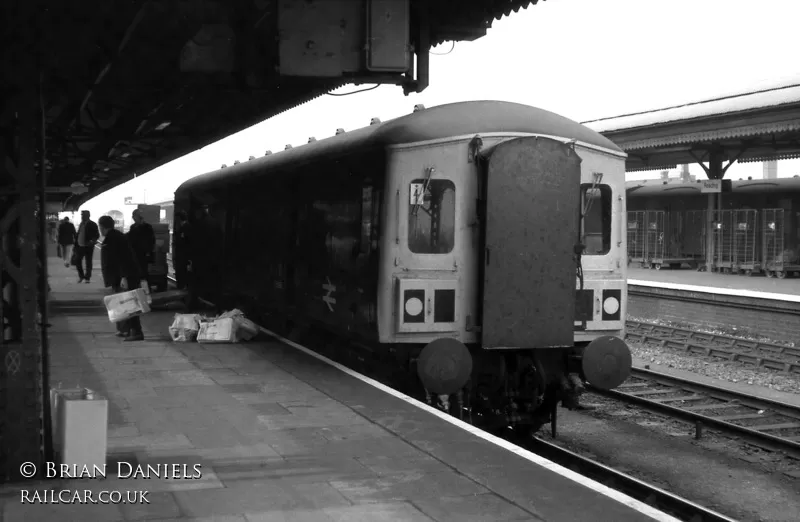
column 143, row 240
column 66, row 240
column 86, row 239
column 120, row 273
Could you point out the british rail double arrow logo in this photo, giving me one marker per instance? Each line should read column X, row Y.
column 330, row 288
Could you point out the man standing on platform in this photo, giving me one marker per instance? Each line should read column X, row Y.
column 143, row 240
column 88, row 234
column 66, row 239
column 120, row 273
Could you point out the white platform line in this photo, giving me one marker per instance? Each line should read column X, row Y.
column 716, row 291
column 632, row 503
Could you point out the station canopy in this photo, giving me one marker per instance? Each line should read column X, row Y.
column 130, row 85
column 755, row 126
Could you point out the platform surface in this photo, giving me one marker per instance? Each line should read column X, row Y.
column 684, row 276
column 279, row 435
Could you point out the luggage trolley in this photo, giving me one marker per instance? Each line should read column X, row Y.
column 694, row 237
column 636, row 235
column 745, row 258
column 655, row 240
column 777, row 260
column 723, row 241
column 673, row 251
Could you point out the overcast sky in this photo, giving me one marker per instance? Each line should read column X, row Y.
column 584, row 59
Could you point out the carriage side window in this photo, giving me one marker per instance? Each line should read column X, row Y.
column 596, row 220
column 431, row 216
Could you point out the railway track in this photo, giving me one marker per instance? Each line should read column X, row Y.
column 651, row 495
column 763, row 422
column 755, row 353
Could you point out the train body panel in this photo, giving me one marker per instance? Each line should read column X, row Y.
column 531, row 216
column 411, row 261
column 601, row 305
column 439, row 237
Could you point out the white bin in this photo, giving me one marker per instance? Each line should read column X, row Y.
column 80, row 428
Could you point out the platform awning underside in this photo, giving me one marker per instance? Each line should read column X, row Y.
column 750, row 127
column 131, row 85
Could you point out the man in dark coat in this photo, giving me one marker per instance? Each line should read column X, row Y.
column 120, row 273
column 86, row 239
column 143, row 241
column 66, row 239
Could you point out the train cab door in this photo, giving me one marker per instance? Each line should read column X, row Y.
column 530, row 194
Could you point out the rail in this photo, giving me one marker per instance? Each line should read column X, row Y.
column 767, row 423
column 651, row 495
column 755, row 353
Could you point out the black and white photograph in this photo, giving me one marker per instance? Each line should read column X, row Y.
column 399, row 261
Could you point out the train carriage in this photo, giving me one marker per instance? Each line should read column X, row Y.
column 480, row 245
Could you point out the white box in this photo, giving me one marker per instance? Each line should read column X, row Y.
column 127, row 304
column 80, row 428
column 218, row 331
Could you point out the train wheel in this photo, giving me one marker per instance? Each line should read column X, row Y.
column 748, row 273
column 768, row 273
column 781, row 274
column 657, row 266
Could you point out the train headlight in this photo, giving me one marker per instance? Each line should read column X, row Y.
column 612, row 304
column 414, row 306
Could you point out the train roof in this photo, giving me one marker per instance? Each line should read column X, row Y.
column 443, row 121
column 657, row 187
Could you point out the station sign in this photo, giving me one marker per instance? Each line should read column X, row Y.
column 711, row 186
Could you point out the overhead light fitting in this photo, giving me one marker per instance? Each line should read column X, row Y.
column 163, row 126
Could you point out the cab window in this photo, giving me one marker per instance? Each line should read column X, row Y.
column 596, row 219
column 431, row 216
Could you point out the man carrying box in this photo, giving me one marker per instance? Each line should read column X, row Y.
column 120, row 270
